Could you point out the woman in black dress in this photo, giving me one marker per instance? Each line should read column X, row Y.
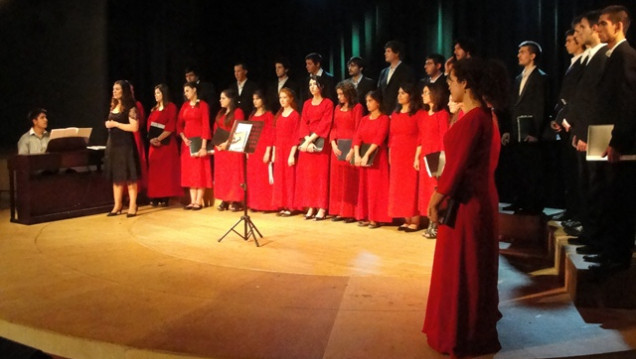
column 121, row 159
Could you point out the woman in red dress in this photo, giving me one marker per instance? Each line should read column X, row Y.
column 228, row 166
column 343, row 186
column 312, row 172
column 194, row 121
column 462, row 314
column 286, row 124
column 163, row 156
column 373, row 188
column 259, row 186
column 433, row 124
column 403, row 135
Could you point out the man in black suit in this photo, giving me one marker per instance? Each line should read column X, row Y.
column 393, row 76
column 582, row 112
column 617, row 94
column 244, row 89
column 281, row 67
column 433, row 68
column 313, row 64
column 363, row 84
column 560, row 124
column 528, row 122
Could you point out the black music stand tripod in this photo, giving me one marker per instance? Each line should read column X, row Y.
column 251, row 130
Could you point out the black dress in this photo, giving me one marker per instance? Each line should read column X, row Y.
column 121, row 160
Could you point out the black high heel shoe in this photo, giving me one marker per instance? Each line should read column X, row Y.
column 131, row 214
column 112, row 214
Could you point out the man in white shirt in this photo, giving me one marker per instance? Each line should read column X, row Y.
column 37, row 138
column 244, row 89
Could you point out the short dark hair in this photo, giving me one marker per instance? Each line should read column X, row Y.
column 468, row 45
column 356, row 60
column 34, row 114
column 194, row 69
column 618, row 13
column 242, row 64
column 534, row 48
column 569, row 32
column 576, row 20
column 591, row 17
column 315, row 57
column 437, row 58
column 396, row 47
column 283, row 61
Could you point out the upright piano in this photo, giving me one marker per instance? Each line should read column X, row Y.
column 51, row 186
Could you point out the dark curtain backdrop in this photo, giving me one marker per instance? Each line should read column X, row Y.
column 65, row 54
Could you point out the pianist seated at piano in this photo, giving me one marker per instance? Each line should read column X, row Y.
column 37, row 138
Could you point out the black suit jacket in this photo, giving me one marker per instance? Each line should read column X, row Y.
column 272, row 93
column 328, row 91
column 365, row 85
column 244, row 100
column 403, row 74
column 618, row 96
column 531, row 102
column 583, row 110
column 568, row 89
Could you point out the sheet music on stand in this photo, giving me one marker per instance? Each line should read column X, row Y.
column 245, row 135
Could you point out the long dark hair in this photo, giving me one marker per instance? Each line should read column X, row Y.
column 488, row 80
column 415, row 101
column 165, row 94
column 438, row 92
column 376, row 95
column 349, row 92
column 229, row 93
column 127, row 97
column 260, row 94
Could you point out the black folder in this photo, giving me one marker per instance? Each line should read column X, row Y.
column 434, row 163
column 344, row 145
column 318, row 142
column 448, row 212
column 525, row 127
column 364, row 147
column 195, row 145
column 156, row 129
column 220, row 136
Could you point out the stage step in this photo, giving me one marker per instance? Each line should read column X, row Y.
column 526, row 235
column 587, row 290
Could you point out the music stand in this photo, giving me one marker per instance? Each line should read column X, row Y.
column 245, row 135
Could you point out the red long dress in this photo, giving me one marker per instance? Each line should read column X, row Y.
column 432, row 129
column 461, row 314
column 259, row 190
column 403, row 136
column 343, row 184
column 141, row 149
column 228, row 166
column 373, row 188
column 285, row 137
column 164, row 169
column 194, row 121
column 312, row 171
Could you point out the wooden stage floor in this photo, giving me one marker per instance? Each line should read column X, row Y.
column 160, row 286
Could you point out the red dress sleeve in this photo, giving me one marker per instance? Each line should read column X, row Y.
column 323, row 126
column 205, row 120
column 382, row 130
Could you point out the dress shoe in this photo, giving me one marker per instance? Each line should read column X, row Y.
column 112, row 214
column 581, row 241
column 197, row 207
column 131, row 214
column 349, row 220
column 235, row 207
column 153, row 203
column 594, row 258
column 188, row 207
column 410, row 230
column 363, row 223
column 222, row 206
column 588, row 250
column 337, row 219
column 607, row 268
column 374, row 225
column 317, row 218
column 402, row 228
column 573, row 231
